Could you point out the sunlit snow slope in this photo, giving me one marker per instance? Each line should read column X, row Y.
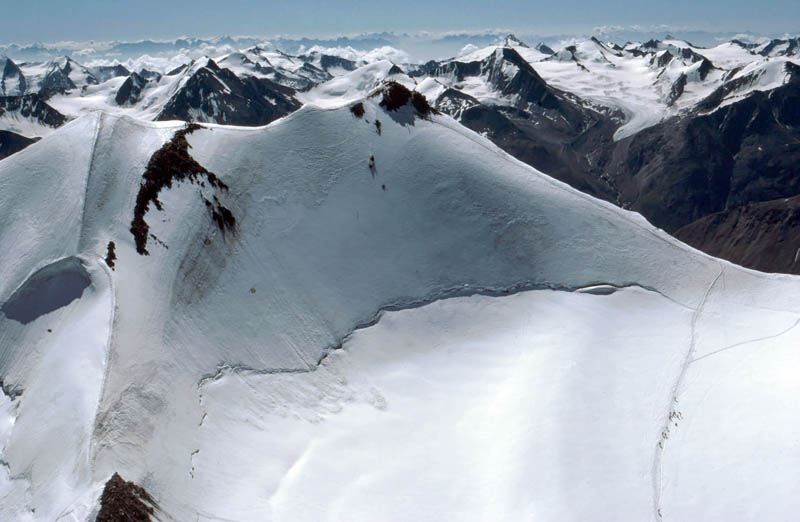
column 528, row 352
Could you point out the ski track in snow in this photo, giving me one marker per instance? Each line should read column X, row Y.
column 673, row 400
column 751, row 341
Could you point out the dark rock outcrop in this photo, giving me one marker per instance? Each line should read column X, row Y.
column 131, row 89
column 676, row 90
column 33, row 107
column 455, row 102
column 779, row 47
column 124, row 501
column 11, row 143
column 542, row 48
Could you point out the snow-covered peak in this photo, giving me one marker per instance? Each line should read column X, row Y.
column 755, row 77
column 174, row 368
column 779, row 47
column 354, row 85
column 12, row 80
column 512, row 41
column 530, row 54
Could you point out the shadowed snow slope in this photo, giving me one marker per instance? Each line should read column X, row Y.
column 211, row 387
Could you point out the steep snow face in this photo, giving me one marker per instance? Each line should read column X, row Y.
column 388, row 427
column 225, row 339
column 60, row 357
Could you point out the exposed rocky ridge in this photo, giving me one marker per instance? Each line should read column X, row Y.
column 328, row 62
column 780, row 47
column 32, row 106
column 106, row 72
column 213, row 94
column 455, row 102
column 573, row 157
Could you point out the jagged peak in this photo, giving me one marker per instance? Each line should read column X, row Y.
column 511, row 41
column 651, row 44
column 508, row 54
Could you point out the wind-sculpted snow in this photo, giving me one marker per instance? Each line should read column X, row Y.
column 212, row 377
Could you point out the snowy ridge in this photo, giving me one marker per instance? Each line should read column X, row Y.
column 227, row 339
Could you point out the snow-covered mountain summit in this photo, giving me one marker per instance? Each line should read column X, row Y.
column 350, row 298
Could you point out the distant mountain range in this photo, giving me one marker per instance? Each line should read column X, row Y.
column 672, row 130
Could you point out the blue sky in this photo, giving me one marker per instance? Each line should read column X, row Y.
column 49, row 20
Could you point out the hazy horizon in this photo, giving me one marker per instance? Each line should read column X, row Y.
column 50, row 21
